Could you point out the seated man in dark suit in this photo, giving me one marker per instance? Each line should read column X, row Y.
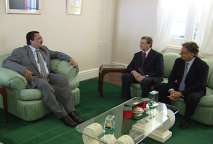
column 33, row 62
column 146, row 68
column 187, row 80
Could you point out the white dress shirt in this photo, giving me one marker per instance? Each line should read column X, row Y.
column 190, row 64
column 147, row 52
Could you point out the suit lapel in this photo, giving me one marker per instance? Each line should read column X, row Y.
column 149, row 56
column 45, row 56
column 143, row 61
column 31, row 57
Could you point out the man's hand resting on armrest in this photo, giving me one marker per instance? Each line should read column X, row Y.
column 73, row 62
column 28, row 74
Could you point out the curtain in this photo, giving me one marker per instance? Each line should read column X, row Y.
column 204, row 36
column 165, row 21
column 198, row 22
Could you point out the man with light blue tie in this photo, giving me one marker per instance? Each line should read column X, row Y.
column 187, row 80
column 33, row 62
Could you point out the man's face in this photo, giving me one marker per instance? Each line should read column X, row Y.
column 37, row 42
column 144, row 46
column 186, row 55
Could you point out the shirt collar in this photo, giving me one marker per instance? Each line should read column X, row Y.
column 147, row 52
column 32, row 48
column 191, row 61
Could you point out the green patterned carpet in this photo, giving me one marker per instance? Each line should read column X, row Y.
column 49, row 130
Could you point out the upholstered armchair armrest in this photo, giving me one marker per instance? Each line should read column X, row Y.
column 63, row 67
column 12, row 79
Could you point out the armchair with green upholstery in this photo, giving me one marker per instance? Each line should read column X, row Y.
column 204, row 111
column 27, row 103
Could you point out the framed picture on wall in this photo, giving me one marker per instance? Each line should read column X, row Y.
column 74, row 7
column 23, row 6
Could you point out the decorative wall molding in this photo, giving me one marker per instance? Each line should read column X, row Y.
column 88, row 74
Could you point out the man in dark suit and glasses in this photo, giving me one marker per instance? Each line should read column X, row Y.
column 33, row 62
column 146, row 68
column 187, row 80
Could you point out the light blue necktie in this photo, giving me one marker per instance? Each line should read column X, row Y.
column 182, row 84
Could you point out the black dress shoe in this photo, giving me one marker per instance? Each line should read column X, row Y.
column 76, row 117
column 184, row 124
column 69, row 121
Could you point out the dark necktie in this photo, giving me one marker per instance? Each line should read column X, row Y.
column 41, row 63
column 182, row 84
column 143, row 56
column 142, row 65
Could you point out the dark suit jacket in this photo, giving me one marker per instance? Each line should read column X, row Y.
column 153, row 64
column 196, row 79
column 22, row 58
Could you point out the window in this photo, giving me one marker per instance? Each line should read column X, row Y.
column 186, row 21
column 179, row 24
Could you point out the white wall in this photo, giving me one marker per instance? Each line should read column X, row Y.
column 134, row 19
column 107, row 30
column 87, row 38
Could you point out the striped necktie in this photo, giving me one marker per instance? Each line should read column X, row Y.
column 41, row 63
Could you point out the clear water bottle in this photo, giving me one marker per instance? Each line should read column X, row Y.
column 109, row 124
column 153, row 95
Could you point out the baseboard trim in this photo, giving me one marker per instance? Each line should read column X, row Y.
column 119, row 63
column 93, row 73
column 88, row 74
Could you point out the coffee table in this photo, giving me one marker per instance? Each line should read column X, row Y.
column 124, row 128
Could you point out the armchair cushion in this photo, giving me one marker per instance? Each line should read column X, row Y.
column 169, row 59
column 74, row 83
column 30, row 94
column 209, row 61
column 12, row 79
column 207, row 101
column 64, row 68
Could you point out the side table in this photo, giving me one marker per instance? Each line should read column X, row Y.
column 3, row 93
column 103, row 70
